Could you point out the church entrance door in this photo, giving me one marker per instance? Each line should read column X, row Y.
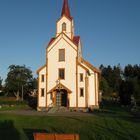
column 61, row 98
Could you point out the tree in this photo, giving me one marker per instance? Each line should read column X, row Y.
column 18, row 77
column 0, row 83
column 126, row 91
column 34, row 84
column 111, row 76
column 131, row 84
column 104, row 87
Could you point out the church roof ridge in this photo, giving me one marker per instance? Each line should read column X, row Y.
column 75, row 40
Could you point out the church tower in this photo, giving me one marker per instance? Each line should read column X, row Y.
column 67, row 79
column 65, row 22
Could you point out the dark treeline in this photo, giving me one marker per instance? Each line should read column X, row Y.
column 123, row 84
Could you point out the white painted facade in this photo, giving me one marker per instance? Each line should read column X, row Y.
column 74, row 65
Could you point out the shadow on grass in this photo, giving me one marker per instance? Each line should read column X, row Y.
column 8, row 131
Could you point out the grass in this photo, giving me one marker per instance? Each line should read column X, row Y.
column 108, row 123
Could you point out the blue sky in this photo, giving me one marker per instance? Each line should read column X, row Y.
column 109, row 30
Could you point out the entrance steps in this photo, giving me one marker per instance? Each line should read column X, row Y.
column 57, row 109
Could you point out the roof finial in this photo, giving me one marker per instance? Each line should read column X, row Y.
column 65, row 9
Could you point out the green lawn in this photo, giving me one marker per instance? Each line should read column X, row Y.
column 108, row 123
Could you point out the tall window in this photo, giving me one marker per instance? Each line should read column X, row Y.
column 61, row 55
column 81, row 92
column 42, row 78
column 64, row 26
column 42, row 92
column 61, row 74
column 81, row 77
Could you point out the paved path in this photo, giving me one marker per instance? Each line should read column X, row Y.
column 36, row 113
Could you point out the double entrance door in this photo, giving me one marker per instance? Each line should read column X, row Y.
column 61, row 98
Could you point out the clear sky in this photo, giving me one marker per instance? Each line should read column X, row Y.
column 109, row 30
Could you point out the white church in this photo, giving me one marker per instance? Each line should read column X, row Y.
column 67, row 79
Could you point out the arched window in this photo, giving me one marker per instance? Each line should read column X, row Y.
column 64, row 26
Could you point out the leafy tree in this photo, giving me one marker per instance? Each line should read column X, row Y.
column 18, row 78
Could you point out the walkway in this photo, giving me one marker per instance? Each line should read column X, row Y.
column 36, row 113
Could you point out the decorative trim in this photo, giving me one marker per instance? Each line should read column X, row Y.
column 63, row 87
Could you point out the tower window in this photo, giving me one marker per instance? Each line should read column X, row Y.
column 64, row 26
column 81, row 92
column 61, row 74
column 61, row 55
column 42, row 92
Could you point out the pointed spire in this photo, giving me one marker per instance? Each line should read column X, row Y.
column 66, row 10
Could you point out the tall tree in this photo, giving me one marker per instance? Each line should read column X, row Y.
column 18, row 78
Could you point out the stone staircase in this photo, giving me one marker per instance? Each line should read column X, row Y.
column 57, row 109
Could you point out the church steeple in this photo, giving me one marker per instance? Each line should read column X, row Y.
column 65, row 24
column 66, row 10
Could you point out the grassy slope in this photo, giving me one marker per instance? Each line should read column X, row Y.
column 111, row 122
column 105, row 124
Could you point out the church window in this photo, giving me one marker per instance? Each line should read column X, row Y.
column 81, row 77
column 64, row 26
column 81, row 92
column 61, row 74
column 61, row 55
column 42, row 78
column 42, row 92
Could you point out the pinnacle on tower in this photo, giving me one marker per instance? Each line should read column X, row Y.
column 66, row 10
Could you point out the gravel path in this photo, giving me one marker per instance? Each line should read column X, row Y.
column 36, row 113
